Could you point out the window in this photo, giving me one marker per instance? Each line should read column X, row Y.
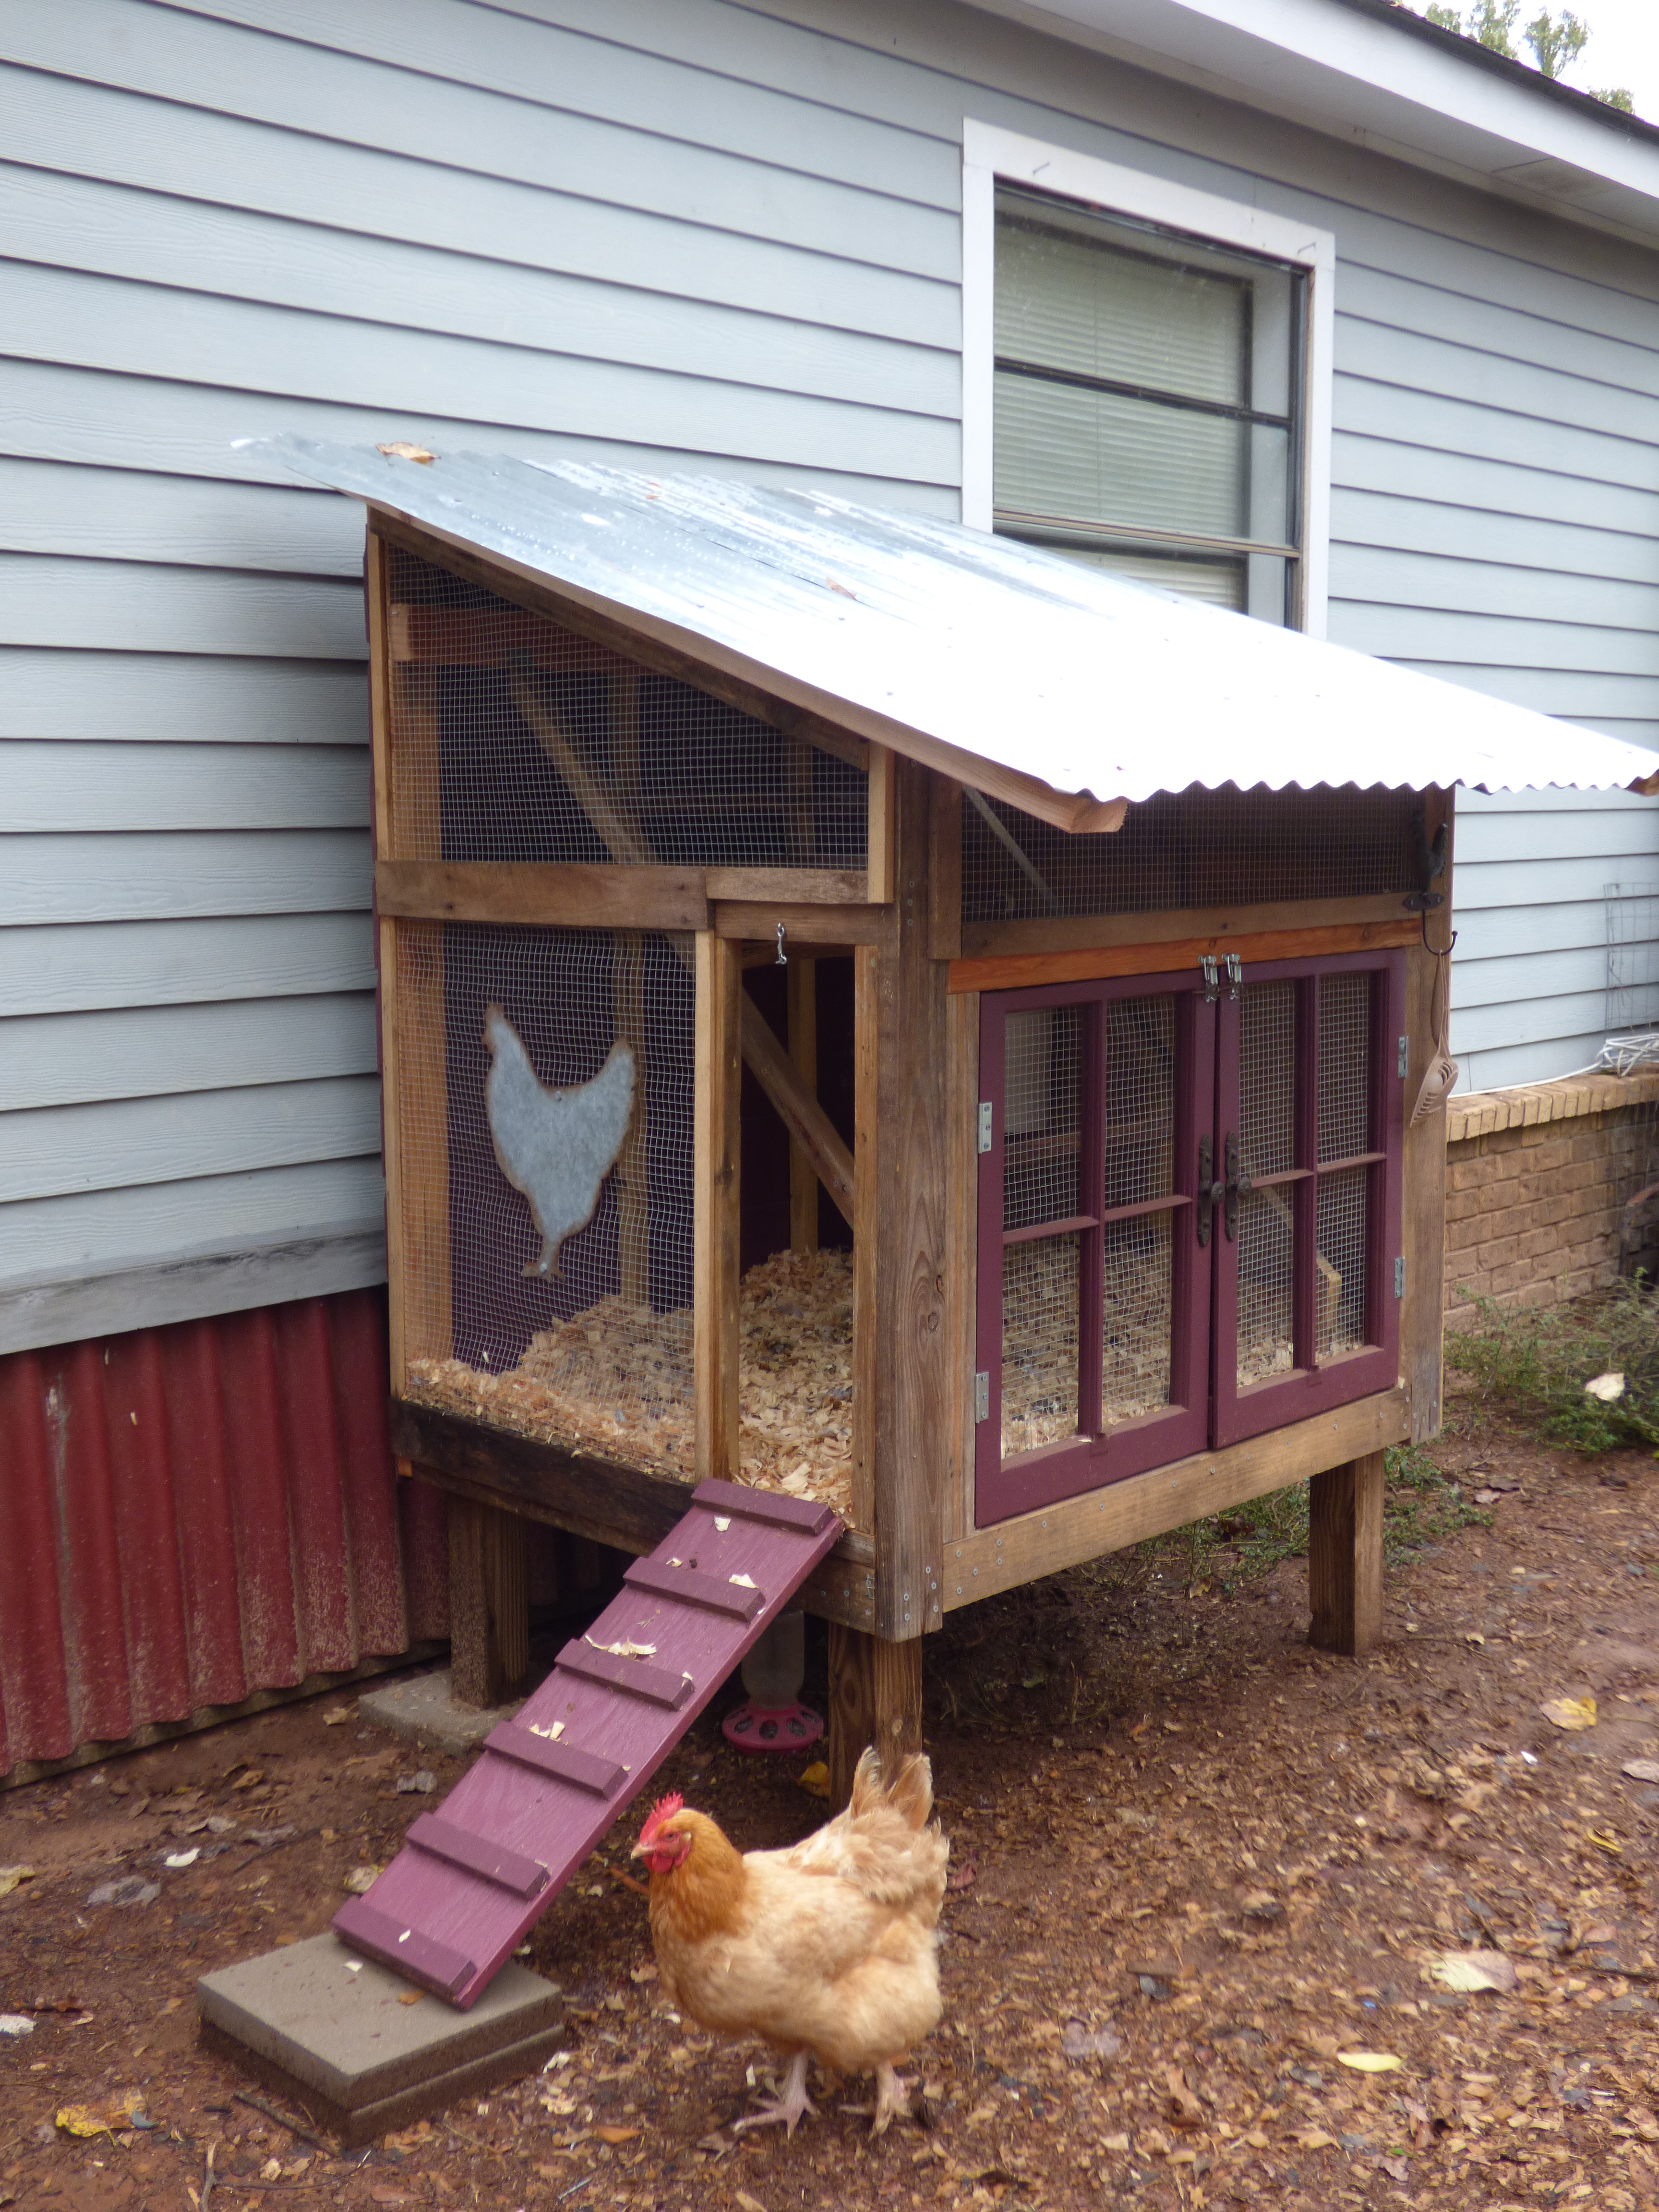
column 1146, row 377
column 1189, row 1216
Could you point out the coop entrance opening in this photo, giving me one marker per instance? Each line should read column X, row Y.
column 1189, row 1216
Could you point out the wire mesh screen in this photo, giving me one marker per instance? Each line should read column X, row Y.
column 1344, row 1066
column 1266, row 1146
column 515, row 739
column 1339, row 1290
column 1040, row 1285
column 562, row 1118
column 1136, row 1318
column 1632, row 925
column 1139, row 1100
column 1043, row 1104
column 1191, row 848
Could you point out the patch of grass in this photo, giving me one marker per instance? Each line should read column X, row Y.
column 1532, row 1362
column 1422, row 1504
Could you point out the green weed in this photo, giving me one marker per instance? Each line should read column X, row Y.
column 1532, row 1362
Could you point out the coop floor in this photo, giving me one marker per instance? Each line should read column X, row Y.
column 617, row 1380
column 1153, row 1788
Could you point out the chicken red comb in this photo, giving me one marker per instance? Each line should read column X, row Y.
column 664, row 1809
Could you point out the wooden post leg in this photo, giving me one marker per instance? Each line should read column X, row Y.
column 488, row 1604
column 875, row 1696
column 1344, row 1556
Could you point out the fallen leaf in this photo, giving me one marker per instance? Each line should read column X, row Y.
column 815, row 1780
column 1470, row 1970
column 271, row 2170
column 622, row 1650
column 11, row 1876
column 1605, row 1842
column 411, row 1996
column 1315, row 2139
column 1606, row 1388
column 421, row 1784
column 743, row 1582
column 1570, row 1713
column 1081, row 2042
column 648, row 1973
column 337, row 1715
column 249, row 1778
column 401, row 450
column 964, row 1874
column 1641, row 1769
column 750, row 2203
column 1368, row 2061
column 82, row 2120
column 615, row 2135
column 382, row 2195
column 361, row 1879
column 182, row 1858
column 1181, row 2107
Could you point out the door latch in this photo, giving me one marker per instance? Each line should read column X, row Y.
column 1237, row 1184
column 1210, row 1192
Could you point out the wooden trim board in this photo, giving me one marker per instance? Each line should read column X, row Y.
column 1079, row 1528
column 717, row 1147
column 843, row 927
column 545, row 893
column 986, row 940
column 1014, row 971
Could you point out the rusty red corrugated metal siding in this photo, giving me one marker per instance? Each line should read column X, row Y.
column 189, row 1515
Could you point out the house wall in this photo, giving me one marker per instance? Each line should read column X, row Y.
column 666, row 233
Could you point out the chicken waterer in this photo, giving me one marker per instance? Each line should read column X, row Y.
column 772, row 1717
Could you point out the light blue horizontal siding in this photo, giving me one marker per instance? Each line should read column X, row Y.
column 170, row 874
column 138, row 607
column 181, row 698
column 126, row 1141
column 158, row 1224
column 145, row 1052
column 64, row 968
column 131, row 514
column 51, row 785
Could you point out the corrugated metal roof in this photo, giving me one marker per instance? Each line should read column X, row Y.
column 958, row 648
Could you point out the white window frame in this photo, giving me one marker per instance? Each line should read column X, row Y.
column 990, row 155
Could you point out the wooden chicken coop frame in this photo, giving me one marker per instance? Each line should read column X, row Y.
column 916, row 1547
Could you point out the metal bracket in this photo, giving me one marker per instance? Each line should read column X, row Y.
column 983, row 1395
column 1234, row 967
column 1208, row 968
column 1238, row 1184
column 986, row 1120
column 782, row 960
column 1400, row 1276
column 1405, row 1057
column 1209, row 1191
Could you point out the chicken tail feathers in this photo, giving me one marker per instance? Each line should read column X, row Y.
column 909, row 1794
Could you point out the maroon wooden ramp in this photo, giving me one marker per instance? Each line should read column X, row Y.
column 476, row 1875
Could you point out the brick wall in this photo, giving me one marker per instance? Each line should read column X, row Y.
column 1536, row 1181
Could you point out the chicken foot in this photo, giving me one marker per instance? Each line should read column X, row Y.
column 793, row 2106
column 892, row 2100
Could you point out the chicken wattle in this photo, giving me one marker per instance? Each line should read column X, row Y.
column 827, row 1950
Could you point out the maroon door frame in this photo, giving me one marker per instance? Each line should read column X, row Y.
column 1206, row 1405
column 1097, row 1455
column 1310, row 1388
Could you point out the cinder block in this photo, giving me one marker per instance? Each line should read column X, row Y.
column 339, row 2037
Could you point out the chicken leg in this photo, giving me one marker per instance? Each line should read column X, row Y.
column 793, row 2106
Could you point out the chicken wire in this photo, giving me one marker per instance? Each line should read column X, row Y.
column 589, row 1343
column 1139, row 1133
column 1043, row 1100
column 1136, row 1317
column 1341, row 1287
column 1267, row 1044
column 1344, row 1066
column 516, row 739
column 1040, row 1287
column 1191, row 848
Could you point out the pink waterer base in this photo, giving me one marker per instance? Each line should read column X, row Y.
column 749, row 1726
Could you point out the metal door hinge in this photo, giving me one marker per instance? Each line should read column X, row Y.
column 984, row 1121
column 1209, row 969
column 1235, row 970
column 1405, row 1056
column 983, row 1395
column 1400, row 1277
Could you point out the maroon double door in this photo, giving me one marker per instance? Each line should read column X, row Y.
column 1190, row 1198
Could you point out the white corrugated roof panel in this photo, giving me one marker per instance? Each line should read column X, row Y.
column 958, row 647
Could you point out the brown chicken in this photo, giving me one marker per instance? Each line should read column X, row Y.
column 827, row 1950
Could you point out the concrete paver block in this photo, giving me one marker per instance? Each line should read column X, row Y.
column 336, row 2033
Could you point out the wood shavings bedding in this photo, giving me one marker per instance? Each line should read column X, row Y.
column 617, row 1380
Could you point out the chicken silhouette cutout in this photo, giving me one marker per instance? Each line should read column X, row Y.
column 555, row 1146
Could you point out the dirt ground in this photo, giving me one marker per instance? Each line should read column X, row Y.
column 1199, row 1862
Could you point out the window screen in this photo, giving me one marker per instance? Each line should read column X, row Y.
column 1146, row 406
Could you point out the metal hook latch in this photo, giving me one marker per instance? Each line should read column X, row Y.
column 1210, row 1191
column 1234, row 967
column 1211, row 973
column 782, row 960
column 1237, row 1184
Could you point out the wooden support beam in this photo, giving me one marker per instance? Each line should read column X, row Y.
column 1345, row 1555
column 878, row 863
column 912, row 1412
column 718, row 1066
column 488, row 1604
column 543, row 893
column 627, row 1001
column 944, row 870
column 809, row 1125
column 1015, row 971
column 1087, row 933
column 801, row 1000
column 875, row 1698
column 1423, row 1226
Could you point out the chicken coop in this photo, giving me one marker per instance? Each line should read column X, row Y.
column 889, row 1017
